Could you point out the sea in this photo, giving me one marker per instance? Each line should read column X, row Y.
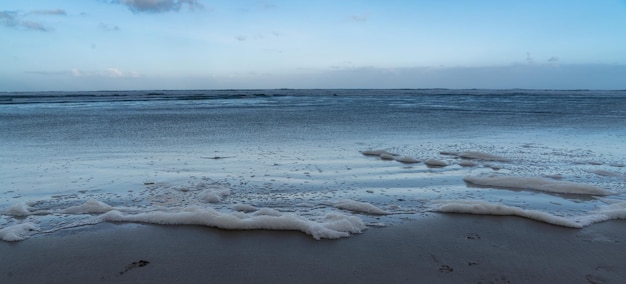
column 330, row 163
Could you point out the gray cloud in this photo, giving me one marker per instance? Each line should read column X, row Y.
column 268, row 5
column 359, row 18
column 34, row 26
column 554, row 61
column 53, row 12
column 14, row 20
column 536, row 76
column 8, row 18
column 254, row 37
column 108, row 28
column 158, row 6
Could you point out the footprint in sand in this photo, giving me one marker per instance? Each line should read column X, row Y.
column 595, row 279
column 473, row 236
column 445, row 269
column 135, row 264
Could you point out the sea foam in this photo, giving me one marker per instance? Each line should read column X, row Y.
column 376, row 153
column 214, row 193
column 482, row 156
column 19, row 210
column 18, row 232
column 605, row 213
column 488, row 208
column 435, row 163
column 407, row 160
column 89, row 207
column 332, row 225
column 537, row 183
column 358, row 206
column 614, row 211
column 22, row 209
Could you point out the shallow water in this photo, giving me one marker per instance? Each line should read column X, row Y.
column 298, row 151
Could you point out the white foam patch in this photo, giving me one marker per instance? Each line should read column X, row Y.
column 407, row 160
column 376, row 153
column 332, row 226
column 614, row 211
column 19, row 210
column 245, row 208
column 22, row 210
column 467, row 164
column 610, row 212
column 91, row 206
column 18, row 232
column 387, row 157
column 537, row 183
column 214, row 193
column 482, row 156
column 435, row 163
column 267, row 212
column 606, row 173
column 488, row 208
column 358, row 206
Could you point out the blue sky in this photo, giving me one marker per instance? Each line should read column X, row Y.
column 201, row 44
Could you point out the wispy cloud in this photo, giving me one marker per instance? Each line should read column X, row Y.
column 243, row 37
column 553, row 59
column 53, row 12
column 105, row 73
column 108, row 28
column 535, row 76
column 13, row 19
column 158, row 6
column 34, row 26
column 8, row 18
column 109, row 73
column 359, row 18
column 268, row 5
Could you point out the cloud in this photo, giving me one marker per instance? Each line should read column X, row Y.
column 34, row 26
column 108, row 72
column 13, row 19
column 105, row 73
column 537, row 76
column 254, row 37
column 359, row 18
column 8, row 18
column 554, row 61
column 268, row 5
column 108, row 28
column 53, row 12
column 158, row 6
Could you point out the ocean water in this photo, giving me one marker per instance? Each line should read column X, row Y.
column 329, row 163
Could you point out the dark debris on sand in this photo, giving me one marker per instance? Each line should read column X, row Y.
column 135, row 264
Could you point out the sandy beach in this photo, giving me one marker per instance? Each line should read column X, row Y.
column 439, row 248
column 96, row 187
column 196, row 141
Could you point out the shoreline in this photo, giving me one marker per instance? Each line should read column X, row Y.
column 438, row 248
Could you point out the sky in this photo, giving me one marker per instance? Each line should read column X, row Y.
column 69, row 45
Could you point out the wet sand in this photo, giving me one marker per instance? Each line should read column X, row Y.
column 439, row 248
